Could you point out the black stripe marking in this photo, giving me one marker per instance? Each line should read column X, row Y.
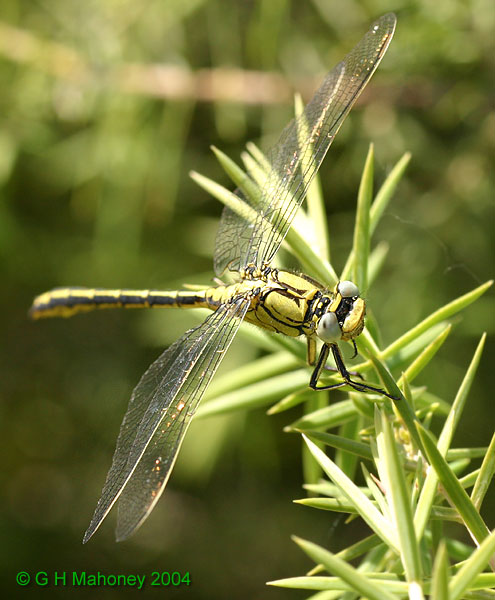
column 102, row 299
column 131, row 299
column 163, row 300
column 287, row 323
column 69, row 300
column 189, row 299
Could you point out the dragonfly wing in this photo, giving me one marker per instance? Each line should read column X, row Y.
column 159, row 412
column 297, row 156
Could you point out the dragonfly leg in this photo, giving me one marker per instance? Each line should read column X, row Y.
column 335, row 370
column 311, row 352
column 339, row 362
column 311, row 358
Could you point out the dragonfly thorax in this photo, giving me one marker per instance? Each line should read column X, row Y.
column 343, row 318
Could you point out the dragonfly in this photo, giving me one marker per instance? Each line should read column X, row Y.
column 167, row 396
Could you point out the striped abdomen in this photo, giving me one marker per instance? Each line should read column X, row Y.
column 65, row 302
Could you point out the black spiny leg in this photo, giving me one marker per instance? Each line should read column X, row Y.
column 339, row 363
column 311, row 360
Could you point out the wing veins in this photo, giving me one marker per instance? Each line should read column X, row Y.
column 145, row 415
column 294, row 163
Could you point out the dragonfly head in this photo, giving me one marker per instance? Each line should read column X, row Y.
column 344, row 317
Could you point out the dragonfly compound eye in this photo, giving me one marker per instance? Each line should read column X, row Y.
column 328, row 329
column 347, row 289
column 354, row 320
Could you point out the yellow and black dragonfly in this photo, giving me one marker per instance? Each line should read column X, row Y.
column 168, row 394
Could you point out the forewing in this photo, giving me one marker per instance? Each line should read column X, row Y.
column 157, row 418
column 295, row 159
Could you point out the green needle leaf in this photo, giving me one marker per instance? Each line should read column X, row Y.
column 398, row 497
column 478, row 561
column 327, row 417
column 453, row 488
column 342, row 443
column 257, row 394
column 430, row 486
column 440, row 579
column 439, row 315
column 361, row 244
column 485, row 475
column 314, row 195
column 354, row 579
column 350, row 490
column 241, row 179
column 225, row 196
column 386, row 192
column 426, row 355
column 382, row 199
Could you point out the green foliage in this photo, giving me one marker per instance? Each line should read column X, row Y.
column 402, row 502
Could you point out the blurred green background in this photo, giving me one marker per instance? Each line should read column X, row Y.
column 105, row 107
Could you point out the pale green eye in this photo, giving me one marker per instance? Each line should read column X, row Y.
column 328, row 329
column 347, row 289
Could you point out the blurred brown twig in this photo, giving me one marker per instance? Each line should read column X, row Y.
column 157, row 80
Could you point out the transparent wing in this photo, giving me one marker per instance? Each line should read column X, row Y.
column 157, row 418
column 295, row 158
